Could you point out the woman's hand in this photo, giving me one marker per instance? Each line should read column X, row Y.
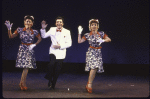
column 80, row 29
column 8, row 25
column 32, row 46
column 100, row 40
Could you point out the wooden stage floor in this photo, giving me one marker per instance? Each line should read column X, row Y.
column 104, row 86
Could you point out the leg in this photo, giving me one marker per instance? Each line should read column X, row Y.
column 57, row 71
column 91, row 77
column 90, row 80
column 23, row 77
column 51, row 64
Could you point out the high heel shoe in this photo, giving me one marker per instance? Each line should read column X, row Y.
column 22, row 87
column 25, row 88
column 88, row 88
column 51, row 85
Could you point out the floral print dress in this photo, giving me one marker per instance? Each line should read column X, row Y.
column 94, row 55
column 26, row 57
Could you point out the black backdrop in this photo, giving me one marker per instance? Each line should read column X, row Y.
column 126, row 22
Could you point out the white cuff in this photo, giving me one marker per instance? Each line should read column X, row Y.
column 79, row 33
column 9, row 28
column 42, row 29
column 103, row 40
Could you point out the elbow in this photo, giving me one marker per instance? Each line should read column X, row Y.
column 79, row 41
column 40, row 39
column 10, row 37
column 70, row 44
column 109, row 40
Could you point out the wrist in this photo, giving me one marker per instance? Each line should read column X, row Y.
column 103, row 40
column 9, row 29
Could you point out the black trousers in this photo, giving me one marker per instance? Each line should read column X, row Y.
column 54, row 68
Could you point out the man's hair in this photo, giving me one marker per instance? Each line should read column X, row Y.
column 60, row 18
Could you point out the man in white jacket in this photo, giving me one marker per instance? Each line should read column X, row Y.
column 61, row 39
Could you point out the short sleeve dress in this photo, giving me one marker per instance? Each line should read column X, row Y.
column 26, row 57
column 94, row 55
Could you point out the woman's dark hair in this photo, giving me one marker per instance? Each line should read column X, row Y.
column 29, row 17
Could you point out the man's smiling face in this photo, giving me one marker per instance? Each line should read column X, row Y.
column 59, row 23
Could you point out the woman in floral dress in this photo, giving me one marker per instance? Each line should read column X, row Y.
column 25, row 57
column 94, row 61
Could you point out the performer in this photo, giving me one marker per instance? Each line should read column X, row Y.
column 61, row 39
column 94, row 61
column 25, row 57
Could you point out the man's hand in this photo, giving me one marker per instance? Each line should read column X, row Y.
column 43, row 24
column 8, row 25
column 56, row 46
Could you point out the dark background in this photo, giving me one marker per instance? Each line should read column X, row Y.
column 126, row 22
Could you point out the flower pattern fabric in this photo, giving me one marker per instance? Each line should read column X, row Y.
column 94, row 56
column 26, row 57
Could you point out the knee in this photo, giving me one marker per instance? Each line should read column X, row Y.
column 52, row 62
column 51, row 65
column 25, row 69
column 58, row 68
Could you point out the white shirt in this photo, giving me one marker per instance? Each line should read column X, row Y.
column 63, row 38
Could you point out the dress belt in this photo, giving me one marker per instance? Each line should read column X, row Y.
column 27, row 44
column 95, row 47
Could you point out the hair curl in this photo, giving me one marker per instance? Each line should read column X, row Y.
column 29, row 17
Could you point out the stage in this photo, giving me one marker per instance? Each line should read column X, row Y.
column 125, row 58
column 105, row 85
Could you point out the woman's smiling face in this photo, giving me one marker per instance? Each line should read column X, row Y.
column 28, row 23
column 94, row 26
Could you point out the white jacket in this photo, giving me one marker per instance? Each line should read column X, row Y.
column 63, row 38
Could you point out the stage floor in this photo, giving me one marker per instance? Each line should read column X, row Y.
column 104, row 86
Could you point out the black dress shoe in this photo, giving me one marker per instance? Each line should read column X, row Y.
column 49, row 84
column 53, row 87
